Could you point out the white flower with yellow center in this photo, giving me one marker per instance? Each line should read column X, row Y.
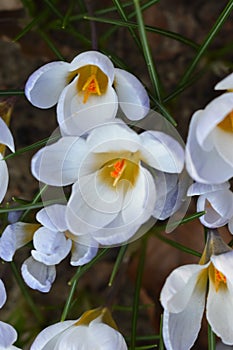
column 84, row 93
column 95, row 329
column 6, row 139
column 209, row 156
column 184, row 293
column 113, row 192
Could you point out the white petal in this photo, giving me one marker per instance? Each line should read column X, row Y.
column 2, row 294
column 6, row 137
column 225, row 84
column 58, row 164
column 162, row 151
column 113, row 137
column 139, row 198
column 197, row 188
column 45, row 85
column 53, row 217
column 88, row 211
column 220, row 304
column 205, row 167
column 230, row 225
column 106, row 337
column 78, row 118
column 83, row 253
column 219, row 209
column 37, row 275
column 132, row 96
column 4, row 176
column 14, row 237
column 180, row 285
column 180, row 330
column 49, row 333
column 213, row 114
column 94, row 58
column 223, row 141
column 8, row 335
column 51, row 247
column 117, row 232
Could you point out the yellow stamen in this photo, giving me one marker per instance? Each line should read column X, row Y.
column 227, row 123
column 119, row 167
column 219, row 278
column 91, row 87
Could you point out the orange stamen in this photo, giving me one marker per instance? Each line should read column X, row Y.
column 119, row 166
column 219, row 278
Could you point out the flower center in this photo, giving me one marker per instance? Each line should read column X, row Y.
column 120, row 169
column 219, row 278
column 227, row 123
column 91, row 81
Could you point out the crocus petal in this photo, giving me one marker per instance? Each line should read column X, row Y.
column 204, row 167
column 180, row 286
column 14, row 237
column 53, row 217
column 58, row 164
column 230, row 225
column 225, row 84
column 4, row 176
column 162, row 151
column 132, row 96
column 220, row 304
column 83, row 250
column 6, row 137
column 2, row 294
column 107, row 337
column 49, row 333
column 144, row 188
column 112, row 138
column 38, row 275
column 78, row 118
column 223, row 141
column 218, row 206
column 83, row 213
column 94, row 58
column 51, row 246
column 213, row 114
column 197, row 188
column 224, row 263
column 45, row 85
column 180, row 330
column 8, row 335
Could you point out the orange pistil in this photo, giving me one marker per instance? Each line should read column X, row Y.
column 219, row 278
column 119, row 166
column 91, row 86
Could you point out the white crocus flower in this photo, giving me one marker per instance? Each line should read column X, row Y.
column 53, row 242
column 184, row 293
column 209, row 156
column 216, row 201
column 6, row 139
column 113, row 192
column 94, row 329
column 83, row 89
column 8, row 334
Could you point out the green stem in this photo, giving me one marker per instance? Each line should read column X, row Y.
column 146, row 51
column 73, row 282
column 25, row 293
column 217, row 26
column 211, row 339
column 136, row 299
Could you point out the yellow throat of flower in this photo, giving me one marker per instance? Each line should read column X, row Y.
column 120, row 169
column 227, row 123
column 91, row 81
column 217, row 277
